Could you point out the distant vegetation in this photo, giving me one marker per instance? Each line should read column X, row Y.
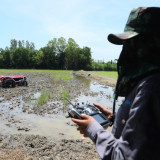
column 57, row 54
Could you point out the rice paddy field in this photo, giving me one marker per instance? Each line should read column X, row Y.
column 33, row 118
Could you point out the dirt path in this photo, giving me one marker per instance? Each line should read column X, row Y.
column 101, row 79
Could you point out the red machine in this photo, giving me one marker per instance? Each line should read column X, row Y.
column 12, row 81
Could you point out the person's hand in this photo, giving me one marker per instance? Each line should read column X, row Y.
column 105, row 111
column 83, row 123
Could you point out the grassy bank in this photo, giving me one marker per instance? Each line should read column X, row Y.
column 110, row 74
column 32, row 70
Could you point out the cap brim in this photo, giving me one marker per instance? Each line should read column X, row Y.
column 120, row 38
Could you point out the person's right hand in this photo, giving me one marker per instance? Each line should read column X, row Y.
column 105, row 111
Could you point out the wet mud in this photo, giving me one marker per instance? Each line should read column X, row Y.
column 43, row 132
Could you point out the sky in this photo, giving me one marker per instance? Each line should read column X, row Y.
column 88, row 22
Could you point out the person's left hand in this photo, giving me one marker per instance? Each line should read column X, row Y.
column 83, row 123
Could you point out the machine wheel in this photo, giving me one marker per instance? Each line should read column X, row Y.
column 25, row 83
column 13, row 83
column 8, row 82
column 5, row 83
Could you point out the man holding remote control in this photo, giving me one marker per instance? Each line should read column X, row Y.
column 136, row 130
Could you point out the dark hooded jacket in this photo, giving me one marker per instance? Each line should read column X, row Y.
column 136, row 130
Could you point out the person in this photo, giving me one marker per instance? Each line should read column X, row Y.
column 136, row 130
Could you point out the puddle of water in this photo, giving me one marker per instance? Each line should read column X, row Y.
column 4, row 104
column 83, row 80
column 1, row 99
column 37, row 95
column 101, row 94
column 96, row 87
column 56, row 128
column 53, row 126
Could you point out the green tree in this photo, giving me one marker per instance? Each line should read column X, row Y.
column 31, row 56
column 85, row 60
column 6, row 58
column 1, row 57
column 49, row 58
column 27, row 44
column 20, row 58
column 38, row 59
column 13, row 44
column 72, row 51
column 32, row 46
column 23, row 43
column 19, row 44
column 52, row 44
column 61, row 46
column 57, row 54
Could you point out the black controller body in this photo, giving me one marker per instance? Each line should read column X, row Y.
column 77, row 110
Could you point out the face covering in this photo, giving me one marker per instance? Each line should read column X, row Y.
column 140, row 57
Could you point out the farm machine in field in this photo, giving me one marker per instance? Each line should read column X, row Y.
column 12, row 81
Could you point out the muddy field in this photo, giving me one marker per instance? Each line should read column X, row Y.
column 34, row 131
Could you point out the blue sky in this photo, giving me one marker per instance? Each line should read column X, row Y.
column 88, row 22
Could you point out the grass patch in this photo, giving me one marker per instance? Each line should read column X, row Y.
column 65, row 94
column 34, row 70
column 64, row 76
column 45, row 96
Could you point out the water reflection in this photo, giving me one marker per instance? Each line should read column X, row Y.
column 37, row 95
column 101, row 94
column 86, row 82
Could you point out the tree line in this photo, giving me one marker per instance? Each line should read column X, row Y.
column 59, row 53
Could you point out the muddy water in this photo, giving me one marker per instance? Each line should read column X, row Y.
column 14, row 121
column 54, row 126
column 99, row 93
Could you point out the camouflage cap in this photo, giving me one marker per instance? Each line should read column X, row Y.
column 142, row 20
